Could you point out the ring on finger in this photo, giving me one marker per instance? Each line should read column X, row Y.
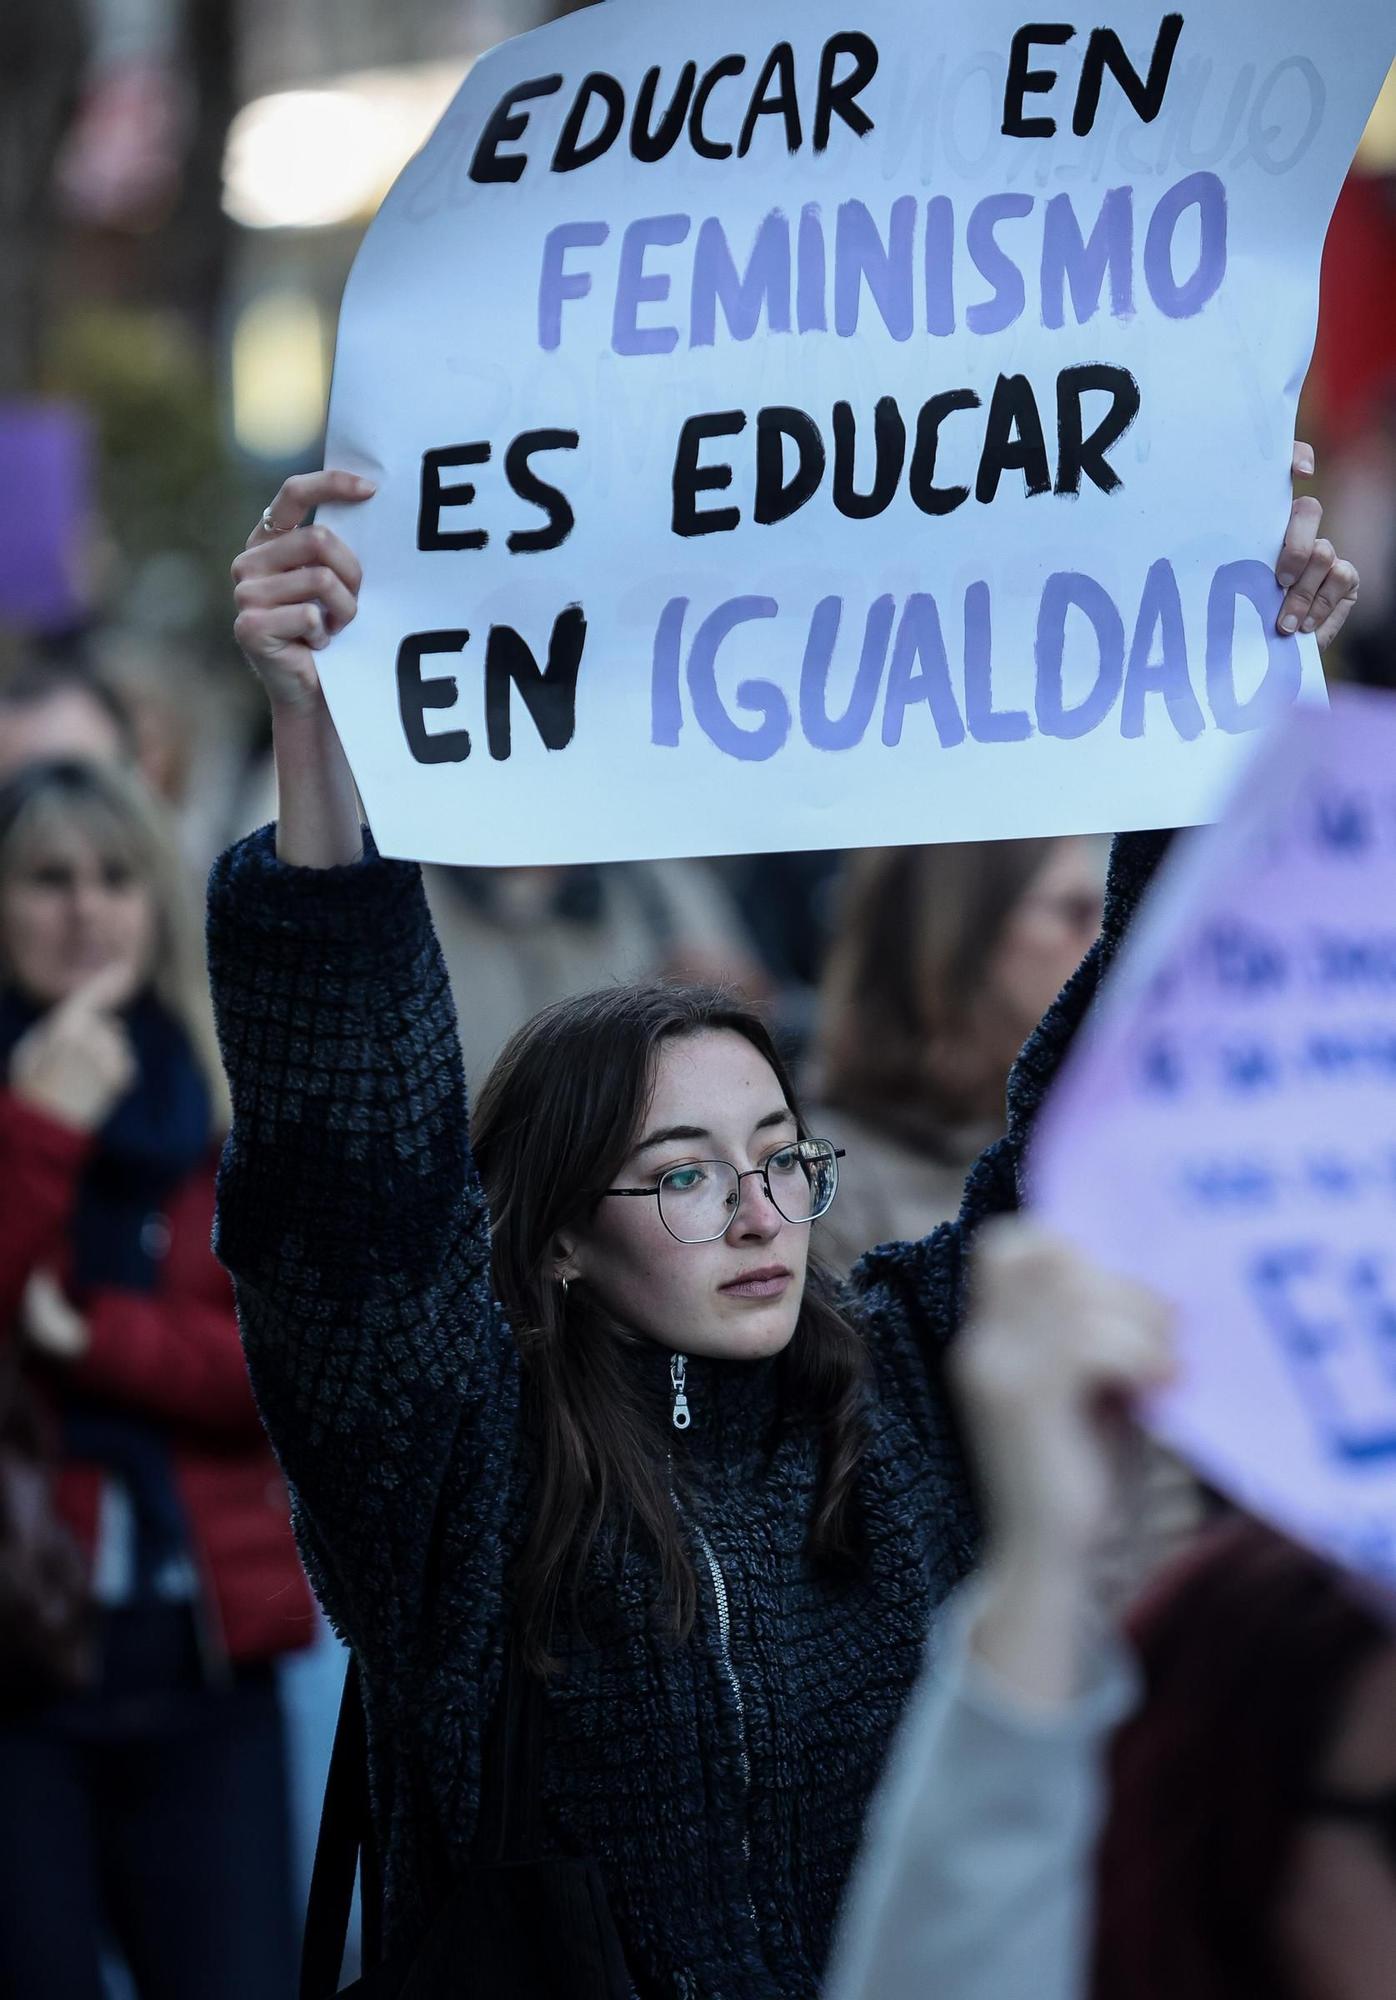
column 270, row 525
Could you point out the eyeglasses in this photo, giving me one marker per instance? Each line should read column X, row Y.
column 698, row 1201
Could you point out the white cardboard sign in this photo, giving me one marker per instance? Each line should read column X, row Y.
column 797, row 426
column 1225, row 1130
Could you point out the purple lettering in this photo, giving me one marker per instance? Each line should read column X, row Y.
column 1161, row 612
column 635, row 287
column 1063, row 591
column 841, row 732
column 762, row 698
column 1207, row 195
column 861, row 255
column 764, row 287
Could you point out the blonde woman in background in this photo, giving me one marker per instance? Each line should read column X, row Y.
column 142, row 1782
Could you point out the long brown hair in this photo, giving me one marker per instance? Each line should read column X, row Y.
column 1249, row 1648
column 904, row 1036
column 554, row 1123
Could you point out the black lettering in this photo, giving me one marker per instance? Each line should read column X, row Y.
column 1013, row 440
column 506, row 124
column 706, row 148
column 1077, row 454
column 538, row 493
column 838, row 96
column 415, row 696
column 570, row 154
column 550, row 696
column 779, row 63
column 1105, row 51
column 1022, row 79
column 435, row 496
column 889, row 455
column 777, row 497
column 929, row 497
column 691, row 479
column 649, row 144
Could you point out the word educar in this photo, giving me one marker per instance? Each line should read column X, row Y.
column 597, row 116
column 1013, row 441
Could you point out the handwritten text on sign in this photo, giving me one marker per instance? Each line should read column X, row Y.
column 799, row 432
column 1227, row 1132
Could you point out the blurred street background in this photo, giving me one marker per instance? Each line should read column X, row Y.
column 183, row 184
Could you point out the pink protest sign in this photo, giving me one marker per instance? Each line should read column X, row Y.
column 1226, row 1132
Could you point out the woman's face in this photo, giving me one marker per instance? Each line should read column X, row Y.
column 737, row 1298
column 1338, row 1919
column 71, row 908
column 1048, row 932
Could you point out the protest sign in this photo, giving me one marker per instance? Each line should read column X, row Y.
column 798, row 428
column 1225, row 1130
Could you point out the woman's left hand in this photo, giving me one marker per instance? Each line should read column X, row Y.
column 49, row 1322
column 1054, row 1353
column 1320, row 587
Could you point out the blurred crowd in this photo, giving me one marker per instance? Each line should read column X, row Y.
column 156, row 1631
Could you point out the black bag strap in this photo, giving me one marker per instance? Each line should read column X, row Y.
column 509, row 1820
column 341, row 1851
column 510, row 1768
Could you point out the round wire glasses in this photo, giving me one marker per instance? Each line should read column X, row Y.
column 699, row 1200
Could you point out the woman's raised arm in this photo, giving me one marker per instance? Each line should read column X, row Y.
column 295, row 586
column 350, row 1213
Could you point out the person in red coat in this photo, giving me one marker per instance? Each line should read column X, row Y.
column 146, row 1804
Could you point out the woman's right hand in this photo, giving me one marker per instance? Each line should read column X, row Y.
column 76, row 1063
column 1054, row 1352
column 295, row 587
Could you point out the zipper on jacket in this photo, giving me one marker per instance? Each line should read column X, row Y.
column 728, row 1665
column 724, row 1640
column 729, row 1670
column 678, row 1375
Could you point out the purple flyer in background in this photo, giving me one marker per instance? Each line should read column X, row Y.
column 45, row 515
column 1226, row 1132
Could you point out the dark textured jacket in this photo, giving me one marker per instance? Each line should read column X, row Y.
column 722, row 1784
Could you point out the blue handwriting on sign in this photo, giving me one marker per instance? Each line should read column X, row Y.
column 1360, row 1055
column 1343, row 823
column 1242, row 959
column 1249, row 1067
column 1238, row 1183
column 1333, row 1316
column 1344, row 961
column 1161, row 1067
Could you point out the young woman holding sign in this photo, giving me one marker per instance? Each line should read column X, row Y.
column 572, row 1410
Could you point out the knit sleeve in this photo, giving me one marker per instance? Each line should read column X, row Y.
column 354, row 1226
